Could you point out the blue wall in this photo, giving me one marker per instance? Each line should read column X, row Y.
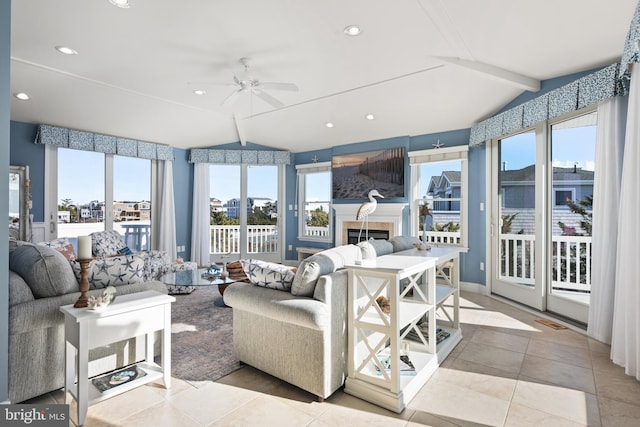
column 470, row 262
column 5, row 108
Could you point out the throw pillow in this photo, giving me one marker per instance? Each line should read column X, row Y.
column 374, row 248
column 56, row 243
column 46, row 271
column 68, row 252
column 114, row 271
column 402, row 243
column 125, row 251
column 268, row 274
column 106, row 243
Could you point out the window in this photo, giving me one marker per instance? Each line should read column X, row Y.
column 314, row 202
column 439, row 183
column 561, row 196
column 96, row 191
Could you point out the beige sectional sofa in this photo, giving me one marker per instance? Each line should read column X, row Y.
column 301, row 336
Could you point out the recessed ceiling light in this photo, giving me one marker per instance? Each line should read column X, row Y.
column 329, row 124
column 22, row 96
column 200, row 92
column 370, row 117
column 352, row 30
column 124, row 4
column 66, row 50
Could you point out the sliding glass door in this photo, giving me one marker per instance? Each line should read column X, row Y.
column 542, row 190
column 244, row 212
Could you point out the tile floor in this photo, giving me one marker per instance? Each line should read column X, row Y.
column 508, row 371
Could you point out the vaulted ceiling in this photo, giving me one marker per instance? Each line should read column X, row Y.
column 419, row 66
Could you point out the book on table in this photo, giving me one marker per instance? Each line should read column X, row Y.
column 412, row 335
column 404, row 363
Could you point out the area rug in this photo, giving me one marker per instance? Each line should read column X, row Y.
column 201, row 336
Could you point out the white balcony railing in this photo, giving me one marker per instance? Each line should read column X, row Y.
column 444, row 237
column 316, row 231
column 570, row 261
column 260, row 239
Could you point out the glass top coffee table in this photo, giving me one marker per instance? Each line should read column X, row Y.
column 185, row 282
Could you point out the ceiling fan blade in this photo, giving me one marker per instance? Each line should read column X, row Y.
column 268, row 99
column 229, row 99
column 279, row 86
column 240, row 128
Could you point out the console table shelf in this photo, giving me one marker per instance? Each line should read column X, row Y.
column 417, row 289
column 129, row 316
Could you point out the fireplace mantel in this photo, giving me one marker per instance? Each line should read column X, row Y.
column 387, row 216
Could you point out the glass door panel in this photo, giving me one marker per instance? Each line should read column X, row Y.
column 81, row 192
column 262, row 239
column 515, row 227
column 132, row 201
column 573, row 145
column 224, row 211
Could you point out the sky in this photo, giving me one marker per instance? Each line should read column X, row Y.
column 81, row 177
column 569, row 146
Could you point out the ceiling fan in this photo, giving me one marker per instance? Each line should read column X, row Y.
column 246, row 83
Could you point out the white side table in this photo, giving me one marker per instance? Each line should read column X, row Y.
column 132, row 315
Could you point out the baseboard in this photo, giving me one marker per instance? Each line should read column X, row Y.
column 475, row 288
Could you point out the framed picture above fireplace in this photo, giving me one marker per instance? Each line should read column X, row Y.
column 354, row 175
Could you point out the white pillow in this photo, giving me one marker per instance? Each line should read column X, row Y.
column 268, row 274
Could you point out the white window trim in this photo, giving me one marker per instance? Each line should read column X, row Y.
column 416, row 158
column 302, row 170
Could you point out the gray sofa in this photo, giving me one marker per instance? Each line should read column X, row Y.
column 301, row 336
column 41, row 280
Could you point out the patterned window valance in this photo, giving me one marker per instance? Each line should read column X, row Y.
column 631, row 53
column 249, row 157
column 87, row 141
column 595, row 87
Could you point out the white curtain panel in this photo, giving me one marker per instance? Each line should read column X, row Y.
column 625, row 340
column 200, row 225
column 167, row 213
column 606, row 198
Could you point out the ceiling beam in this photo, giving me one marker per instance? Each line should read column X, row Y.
column 496, row 73
column 240, row 129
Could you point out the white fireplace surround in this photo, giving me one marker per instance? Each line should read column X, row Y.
column 387, row 216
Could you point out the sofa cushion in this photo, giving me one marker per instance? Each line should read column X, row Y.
column 402, row 243
column 325, row 262
column 46, row 271
column 281, row 306
column 114, row 271
column 268, row 274
column 374, row 248
column 19, row 291
column 106, row 243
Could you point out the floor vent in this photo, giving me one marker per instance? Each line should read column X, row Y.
column 552, row 325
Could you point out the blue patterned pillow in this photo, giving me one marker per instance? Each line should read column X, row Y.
column 268, row 274
column 114, row 271
column 106, row 243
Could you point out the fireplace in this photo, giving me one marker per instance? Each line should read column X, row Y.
column 386, row 219
column 354, row 236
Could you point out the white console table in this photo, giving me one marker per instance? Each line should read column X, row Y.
column 132, row 315
column 408, row 279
